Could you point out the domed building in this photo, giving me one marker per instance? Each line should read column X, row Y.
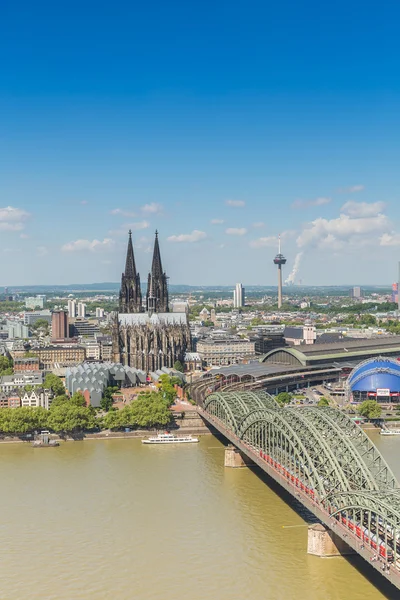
column 375, row 379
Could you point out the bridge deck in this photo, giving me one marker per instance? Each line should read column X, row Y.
column 390, row 571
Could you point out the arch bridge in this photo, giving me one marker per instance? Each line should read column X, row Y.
column 325, row 461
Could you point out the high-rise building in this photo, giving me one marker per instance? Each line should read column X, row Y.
column 72, row 308
column 35, row 302
column 238, row 296
column 99, row 313
column 59, row 325
column 356, row 292
column 395, row 292
column 81, row 310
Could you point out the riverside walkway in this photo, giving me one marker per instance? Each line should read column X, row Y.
column 325, row 461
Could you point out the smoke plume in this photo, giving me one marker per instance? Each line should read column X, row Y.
column 291, row 279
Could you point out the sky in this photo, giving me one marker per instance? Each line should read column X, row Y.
column 221, row 124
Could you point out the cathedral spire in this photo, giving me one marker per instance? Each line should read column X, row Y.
column 130, row 267
column 130, row 297
column 157, row 287
column 156, row 267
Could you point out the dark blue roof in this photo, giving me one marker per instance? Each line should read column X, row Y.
column 376, row 373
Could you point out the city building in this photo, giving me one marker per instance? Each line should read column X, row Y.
column 375, row 379
column 99, row 313
column 180, row 306
column 9, row 383
column 59, row 325
column 238, row 296
column 60, row 355
column 300, row 335
column 81, row 310
column 30, row 318
column 92, row 349
column 356, row 292
column 35, row 302
column 154, row 339
column 71, row 308
column 225, row 351
column 82, row 328
column 268, row 337
column 395, row 293
column 92, row 378
column 22, row 365
column 35, row 398
column 16, row 329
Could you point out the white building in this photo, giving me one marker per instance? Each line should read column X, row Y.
column 238, row 296
column 99, row 313
column 92, row 349
column 37, row 398
column 81, row 310
column 35, row 302
column 72, row 308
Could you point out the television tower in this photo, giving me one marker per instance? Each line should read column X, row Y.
column 279, row 260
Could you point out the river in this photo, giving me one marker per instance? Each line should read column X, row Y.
column 117, row 519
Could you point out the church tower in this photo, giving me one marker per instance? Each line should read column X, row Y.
column 157, row 286
column 130, row 296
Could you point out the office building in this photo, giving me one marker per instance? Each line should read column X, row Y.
column 30, row 318
column 99, row 313
column 238, row 296
column 35, row 302
column 59, row 325
column 60, row 356
column 81, row 310
column 356, row 292
column 226, row 351
column 72, row 308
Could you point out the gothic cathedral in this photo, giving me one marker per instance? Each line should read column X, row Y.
column 151, row 338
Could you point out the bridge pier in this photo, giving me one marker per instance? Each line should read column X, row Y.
column 324, row 542
column 234, row 458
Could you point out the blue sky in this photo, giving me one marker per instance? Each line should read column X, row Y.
column 220, row 124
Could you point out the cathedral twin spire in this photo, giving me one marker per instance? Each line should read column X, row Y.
column 130, row 297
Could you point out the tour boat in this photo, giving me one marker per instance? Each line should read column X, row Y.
column 390, row 431
column 170, row 438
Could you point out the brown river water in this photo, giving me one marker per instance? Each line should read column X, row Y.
column 121, row 520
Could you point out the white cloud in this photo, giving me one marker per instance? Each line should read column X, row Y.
column 270, row 241
column 13, row 219
column 352, row 189
column 363, row 209
column 217, row 221
column 335, row 233
column 41, row 251
column 122, row 213
column 235, row 203
column 195, row 236
column 306, row 203
column 88, row 246
column 136, row 226
column 258, row 224
column 84, row 202
column 390, row 239
column 152, row 209
column 236, row 231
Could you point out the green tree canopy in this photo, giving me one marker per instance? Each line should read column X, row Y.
column 178, row 366
column 370, row 409
column 283, row 398
column 6, row 365
column 54, row 383
column 323, row 401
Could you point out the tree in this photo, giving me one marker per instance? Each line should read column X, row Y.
column 370, row 409
column 6, row 366
column 323, row 401
column 178, row 366
column 54, row 383
column 77, row 399
column 69, row 418
column 40, row 324
column 107, row 400
column 283, row 398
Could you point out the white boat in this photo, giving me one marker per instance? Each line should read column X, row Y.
column 390, row 431
column 170, row 438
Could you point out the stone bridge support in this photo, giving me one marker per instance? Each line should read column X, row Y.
column 324, row 542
